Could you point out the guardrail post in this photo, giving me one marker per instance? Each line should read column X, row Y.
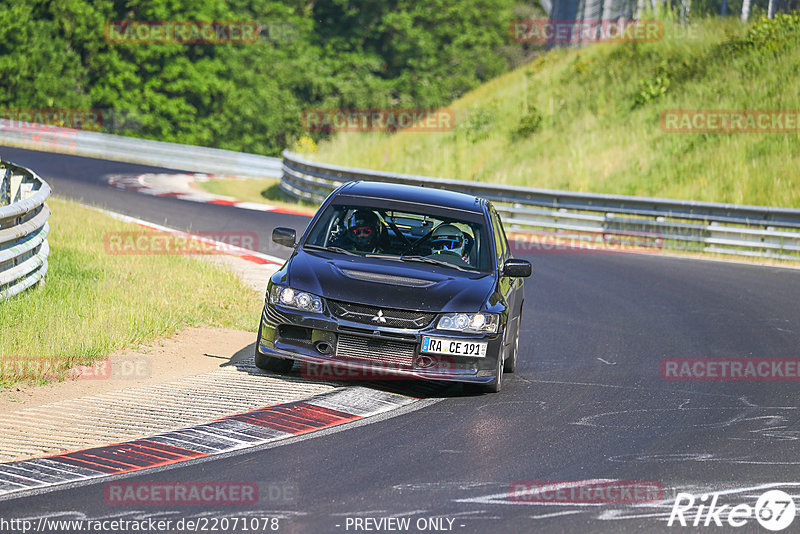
column 5, row 186
column 15, row 189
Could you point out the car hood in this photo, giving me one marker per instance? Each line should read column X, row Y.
column 387, row 283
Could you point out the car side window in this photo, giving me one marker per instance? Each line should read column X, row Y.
column 506, row 248
column 498, row 240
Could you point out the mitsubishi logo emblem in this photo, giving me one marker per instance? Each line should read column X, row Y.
column 379, row 318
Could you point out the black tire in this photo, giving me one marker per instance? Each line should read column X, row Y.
column 492, row 387
column 270, row 363
column 496, row 385
column 511, row 362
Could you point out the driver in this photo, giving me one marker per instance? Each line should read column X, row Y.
column 362, row 230
column 448, row 239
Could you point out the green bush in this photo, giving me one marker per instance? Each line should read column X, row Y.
column 529, row 123
column 653, row 88
column 775, row 33
column 475, row 124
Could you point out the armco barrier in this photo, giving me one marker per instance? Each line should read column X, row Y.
column 23, row 228
column 145, row 151
column 563, row 215
column 646, row 222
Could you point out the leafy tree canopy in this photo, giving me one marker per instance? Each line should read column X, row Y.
column 249, row 96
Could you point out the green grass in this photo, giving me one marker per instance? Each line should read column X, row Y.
column 94, row 302
column 262, row 190
column 592, row 119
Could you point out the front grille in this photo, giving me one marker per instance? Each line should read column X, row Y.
column 364, row 349
column 376, row 316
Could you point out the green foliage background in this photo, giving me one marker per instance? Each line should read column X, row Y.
column 249, row 97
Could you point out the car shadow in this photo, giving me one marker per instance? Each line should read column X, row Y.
column 243, row 361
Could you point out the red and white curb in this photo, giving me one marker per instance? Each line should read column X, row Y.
column 177, row 186
column 231, row 433
column 223, row 248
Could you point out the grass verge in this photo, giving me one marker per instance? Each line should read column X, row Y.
column 94, row 302
column 589, row 120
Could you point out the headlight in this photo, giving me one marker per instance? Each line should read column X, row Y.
column 469, row 322
column 291, row 298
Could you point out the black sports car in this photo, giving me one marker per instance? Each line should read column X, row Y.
column 414, row 281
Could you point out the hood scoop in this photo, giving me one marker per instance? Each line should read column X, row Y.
column 386, row 278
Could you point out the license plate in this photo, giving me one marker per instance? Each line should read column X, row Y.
column 454, row 347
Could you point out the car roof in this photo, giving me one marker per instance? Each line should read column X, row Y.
column 413, row 194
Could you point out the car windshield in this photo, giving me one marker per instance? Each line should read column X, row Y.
column 402, row 236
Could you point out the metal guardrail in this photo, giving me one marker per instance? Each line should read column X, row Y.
column 623, row 221
column 131, row 149
column 23, row 229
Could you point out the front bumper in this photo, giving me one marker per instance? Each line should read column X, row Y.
column 296, row 335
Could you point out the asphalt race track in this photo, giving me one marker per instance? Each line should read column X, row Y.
column 85, row 179
column 587, row 402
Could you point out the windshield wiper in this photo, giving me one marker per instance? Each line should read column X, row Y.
column 338, row 250
column 382, row 255
column 425, row 259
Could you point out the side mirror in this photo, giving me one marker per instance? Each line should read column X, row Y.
column 517, row 268
column 284, row 236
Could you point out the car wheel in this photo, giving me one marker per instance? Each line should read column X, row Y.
column 270, row 363
column 511, row 362
column 495, row 385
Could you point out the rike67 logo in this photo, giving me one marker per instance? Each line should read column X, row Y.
column 774, row 510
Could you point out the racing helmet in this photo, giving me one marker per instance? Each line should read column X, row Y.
column 362, row 228
column 448, row 238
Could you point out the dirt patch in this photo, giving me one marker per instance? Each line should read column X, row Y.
column 190, row 352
